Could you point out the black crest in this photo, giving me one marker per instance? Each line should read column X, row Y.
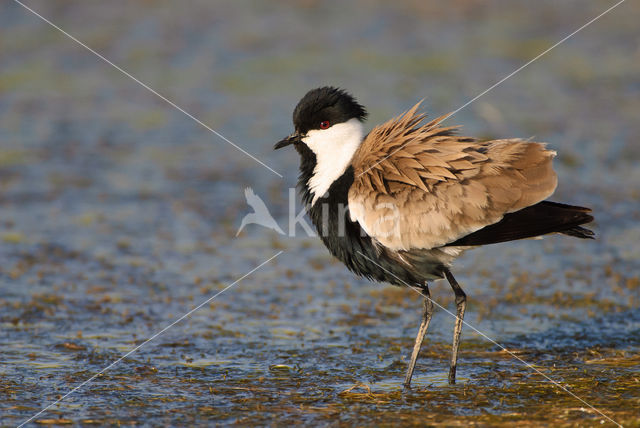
column 326, row 104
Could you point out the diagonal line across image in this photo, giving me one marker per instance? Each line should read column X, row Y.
column 555, row 383
column 147, row 87
column 505, row 78
column 154, row 336
column 275, row 172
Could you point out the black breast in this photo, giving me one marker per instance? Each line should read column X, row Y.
column 347, row 241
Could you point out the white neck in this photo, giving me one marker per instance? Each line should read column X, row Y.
column 334, row 148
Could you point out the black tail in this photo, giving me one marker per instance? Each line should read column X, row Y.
column 539, row 219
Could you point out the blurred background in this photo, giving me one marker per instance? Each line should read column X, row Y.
column 118, row 213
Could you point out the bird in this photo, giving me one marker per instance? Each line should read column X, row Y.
column 399, row 204
column 260, row 214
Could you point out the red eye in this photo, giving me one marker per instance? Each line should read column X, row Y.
column 324, row 124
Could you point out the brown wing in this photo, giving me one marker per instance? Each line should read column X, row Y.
column 420, row 186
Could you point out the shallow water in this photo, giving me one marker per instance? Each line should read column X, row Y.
column 119, row 215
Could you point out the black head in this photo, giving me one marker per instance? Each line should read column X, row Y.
column 327, row 104
column 321, row 108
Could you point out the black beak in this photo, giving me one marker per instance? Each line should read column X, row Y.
column 291, row 139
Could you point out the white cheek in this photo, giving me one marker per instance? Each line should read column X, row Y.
column 334, row 148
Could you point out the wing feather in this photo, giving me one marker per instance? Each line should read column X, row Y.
column 420, row 186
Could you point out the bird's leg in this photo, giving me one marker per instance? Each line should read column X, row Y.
column 424, row 325
column 461, row 305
